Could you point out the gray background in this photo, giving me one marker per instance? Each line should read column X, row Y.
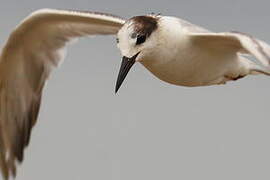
column 150, row 130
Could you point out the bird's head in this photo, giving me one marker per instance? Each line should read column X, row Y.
column 137, row 40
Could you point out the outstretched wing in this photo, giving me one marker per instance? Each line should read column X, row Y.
column 235, row 42
column 33, row 49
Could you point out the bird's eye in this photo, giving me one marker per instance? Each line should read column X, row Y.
column 117, row 40
column 140, row 39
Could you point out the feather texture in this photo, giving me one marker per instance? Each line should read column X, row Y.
column 33, row 49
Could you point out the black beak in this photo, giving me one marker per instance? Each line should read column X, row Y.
column 126, row 65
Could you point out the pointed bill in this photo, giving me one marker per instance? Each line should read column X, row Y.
column 126, row 65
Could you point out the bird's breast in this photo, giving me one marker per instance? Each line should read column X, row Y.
column 186, row 68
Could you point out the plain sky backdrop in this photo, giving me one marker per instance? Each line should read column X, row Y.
column 150, row 130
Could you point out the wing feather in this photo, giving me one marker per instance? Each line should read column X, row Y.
column 33, row 49
column 236, row 42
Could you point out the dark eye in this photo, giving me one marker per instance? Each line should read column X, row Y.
column 140, row 39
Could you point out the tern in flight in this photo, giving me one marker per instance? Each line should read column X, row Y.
column 174, row 50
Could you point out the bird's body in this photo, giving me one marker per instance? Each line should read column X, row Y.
column 174, row 50
column 178, row 59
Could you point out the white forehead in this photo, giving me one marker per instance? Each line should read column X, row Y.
column 126, row 30
column 126, row 42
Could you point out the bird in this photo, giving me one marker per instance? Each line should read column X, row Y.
column 181, row 53
column 172, row 49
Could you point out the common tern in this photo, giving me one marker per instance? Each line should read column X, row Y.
column 174, row 50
